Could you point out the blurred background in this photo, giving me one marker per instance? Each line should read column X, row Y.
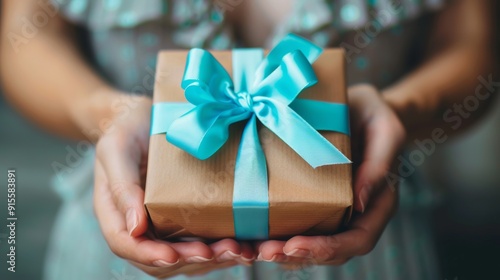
column 464, row 171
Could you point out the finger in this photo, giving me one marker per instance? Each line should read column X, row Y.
column 358, row 240
column 248, row 254
column 272, row 251
column 120, row 159
column 298, row 263
column 113, row 226
column 226, row 250
column 223, row 252
column 193, row 251
column 384, row 136
column 188, row 269
column 208, row 268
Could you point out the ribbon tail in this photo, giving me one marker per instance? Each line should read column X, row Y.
column 250, row 194
column 322, row 115
column 299, row 135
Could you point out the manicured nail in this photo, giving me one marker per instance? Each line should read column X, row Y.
column 197, row 259
column 162, row 263
column 228, row 256
column 131, row 217
column 299, row 253
column 275, row 258
column 246, row 259
column 261, row 258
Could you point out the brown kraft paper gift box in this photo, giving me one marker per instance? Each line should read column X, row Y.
column 185, row 196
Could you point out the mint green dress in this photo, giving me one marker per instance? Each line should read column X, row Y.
column 382, row 45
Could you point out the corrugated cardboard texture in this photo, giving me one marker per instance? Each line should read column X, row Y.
column 189, row 197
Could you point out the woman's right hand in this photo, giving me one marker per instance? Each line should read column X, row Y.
column 121, row 158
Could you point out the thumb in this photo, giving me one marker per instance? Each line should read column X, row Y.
column 120, row 158
column 384, row 136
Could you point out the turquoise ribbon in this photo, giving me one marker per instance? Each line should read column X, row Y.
column 262, row 90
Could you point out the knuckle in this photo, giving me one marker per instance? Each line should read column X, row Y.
column 158, row 272
column 120, row 194
column 366, row 246
column 155, row 272
column 326, row 248
column 115, row 248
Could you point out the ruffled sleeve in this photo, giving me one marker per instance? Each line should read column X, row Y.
column 102, row 14
column 193, row 23
column 322, row 20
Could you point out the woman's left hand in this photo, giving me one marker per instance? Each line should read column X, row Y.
column 377, row 135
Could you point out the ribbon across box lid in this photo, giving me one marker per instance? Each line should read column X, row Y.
column 262, row 90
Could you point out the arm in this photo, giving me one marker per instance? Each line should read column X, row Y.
column 46, row 78
column 380, row 124
column 436, row 96
column 460, row 57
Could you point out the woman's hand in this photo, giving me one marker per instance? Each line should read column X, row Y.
column 120, row 169
column 377, row 135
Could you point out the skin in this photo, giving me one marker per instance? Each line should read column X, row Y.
column 71, row 100
column 460, row 50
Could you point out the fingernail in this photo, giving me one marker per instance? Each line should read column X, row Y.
column 275, row 258
column 197, row 259
column 245, row 261
column 162, row 263
column 131, row 217
column 300, row 253
column 363, row 198
column 260, row 257
column 228, row 256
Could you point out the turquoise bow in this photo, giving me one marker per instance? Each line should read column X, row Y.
column 264, row 89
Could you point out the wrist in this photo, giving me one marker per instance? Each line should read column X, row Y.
column 94, row 113
column 400, row 105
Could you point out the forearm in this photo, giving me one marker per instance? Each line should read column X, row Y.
column 439, row 93
column 46, row 78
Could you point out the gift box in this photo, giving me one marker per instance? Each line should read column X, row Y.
column 231, row 152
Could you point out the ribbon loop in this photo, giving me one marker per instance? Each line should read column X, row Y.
column 276, row 82
column 264, row 89
column 288, row 79
column 205, row 80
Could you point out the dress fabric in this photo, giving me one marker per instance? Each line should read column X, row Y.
column 380, row 38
